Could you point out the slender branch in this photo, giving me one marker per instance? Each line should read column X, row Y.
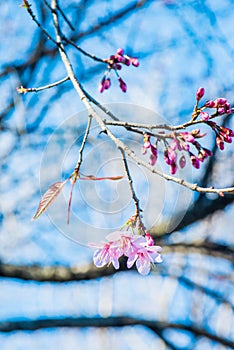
column 95, row 58
column 77, row 168
column 33, row 16
column 65, row 18
column 25, row 90
column 159, row 126
column 137, row 216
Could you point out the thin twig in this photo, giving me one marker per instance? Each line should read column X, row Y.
column 65, row 18
column 62, row 13
column 125, row 124
column 75, row 175
column 95, row 58
column 24, row 90
column 134, row 196
column 33, row 16
column 83, row 144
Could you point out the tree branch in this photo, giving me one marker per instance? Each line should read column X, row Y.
column 155, row 326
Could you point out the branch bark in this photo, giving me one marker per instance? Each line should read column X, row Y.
column 155, row 326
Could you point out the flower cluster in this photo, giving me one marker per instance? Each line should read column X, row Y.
column 115, row 62
column 223, row 134
column 180, row 142
column 136, row 248
column 221, row 105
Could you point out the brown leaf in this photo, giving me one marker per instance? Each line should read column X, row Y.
column 48, row 198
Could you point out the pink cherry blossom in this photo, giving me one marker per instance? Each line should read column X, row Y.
column 136, row 248
column 205, row 116
column 144, row 258
column 187, row 136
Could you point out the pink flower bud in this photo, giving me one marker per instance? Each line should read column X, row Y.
column 210, row 104
column 135, row 61
column 127, row 62
column 226, row 138
column 195, row 161
column 118, row 66
column 175, row 144
column 208, row 152
column 107, row 84
column 200, row 93
column 166, row 158
column 153, row 159
column 120, row 51
column 149, row 239
column 220, row 143
column 173, row 168
column 122, row 85
column 205, row 116
column 182, row 161
column 221, row 110
column 187, row 136
column 120, row 59
column 154, row 150
column 227, row 131
column 204, row 153
column 147, row 144
column 101, row 86
column 220, row 101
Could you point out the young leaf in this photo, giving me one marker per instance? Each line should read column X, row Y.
column 48, row 198
column 92, row 177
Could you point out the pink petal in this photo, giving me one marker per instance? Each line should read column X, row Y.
column 143, row 266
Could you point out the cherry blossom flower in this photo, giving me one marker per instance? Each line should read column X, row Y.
column 204, row 116
column 136, row 248
column 145, row 257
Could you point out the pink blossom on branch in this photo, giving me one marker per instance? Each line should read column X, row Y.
column 115, row 62
column 136, row 248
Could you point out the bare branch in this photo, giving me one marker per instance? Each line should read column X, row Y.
column 137, row 216
column 22, row 89
column 98, row 322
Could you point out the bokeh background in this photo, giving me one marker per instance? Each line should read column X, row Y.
column 50, row 293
